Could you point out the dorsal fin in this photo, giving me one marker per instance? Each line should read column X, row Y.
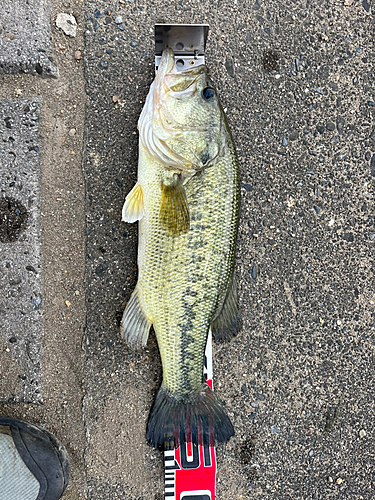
column 225, row 323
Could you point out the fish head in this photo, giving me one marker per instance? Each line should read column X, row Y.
column 185, row 120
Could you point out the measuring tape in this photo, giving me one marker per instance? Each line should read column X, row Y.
column 190, row 469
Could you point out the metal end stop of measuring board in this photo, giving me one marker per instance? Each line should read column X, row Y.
column 188, row 42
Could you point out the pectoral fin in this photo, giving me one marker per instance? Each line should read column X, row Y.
column 174, row 211
column 133, row 206
column 224, row 325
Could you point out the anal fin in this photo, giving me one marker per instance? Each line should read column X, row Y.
column 133, row 206
column 174, row 211
column 225, row 323
column 135, row 325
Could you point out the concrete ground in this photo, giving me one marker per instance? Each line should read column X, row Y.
column 297, row 82
column 62, row 215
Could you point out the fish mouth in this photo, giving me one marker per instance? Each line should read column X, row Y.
column 167, row 62
column 169, row 78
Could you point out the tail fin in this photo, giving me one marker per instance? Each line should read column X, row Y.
column 175, row 421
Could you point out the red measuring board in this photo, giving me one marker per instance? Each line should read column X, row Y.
column 190, row 469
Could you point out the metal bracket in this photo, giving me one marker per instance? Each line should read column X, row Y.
column 188, row 42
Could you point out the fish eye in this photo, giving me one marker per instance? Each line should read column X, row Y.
column 208, row 93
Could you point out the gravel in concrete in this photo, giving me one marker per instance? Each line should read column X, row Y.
column 298, row 378
column 297, row 81
column 63, row 246
column 25, row 38
column 20, row 254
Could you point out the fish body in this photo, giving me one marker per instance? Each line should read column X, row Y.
column 187, row 202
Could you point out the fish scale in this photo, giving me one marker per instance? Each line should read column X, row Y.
column 200, row 261
column 187, row 203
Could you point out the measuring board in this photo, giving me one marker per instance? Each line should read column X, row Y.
column 190, row 469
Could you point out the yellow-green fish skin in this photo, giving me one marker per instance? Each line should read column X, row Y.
column 184, row 278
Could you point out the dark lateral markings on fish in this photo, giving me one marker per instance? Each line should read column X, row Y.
column 187, row 172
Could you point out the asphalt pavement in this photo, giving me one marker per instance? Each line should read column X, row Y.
column 296, row 80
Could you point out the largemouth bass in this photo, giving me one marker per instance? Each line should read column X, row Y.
column 187, row 202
